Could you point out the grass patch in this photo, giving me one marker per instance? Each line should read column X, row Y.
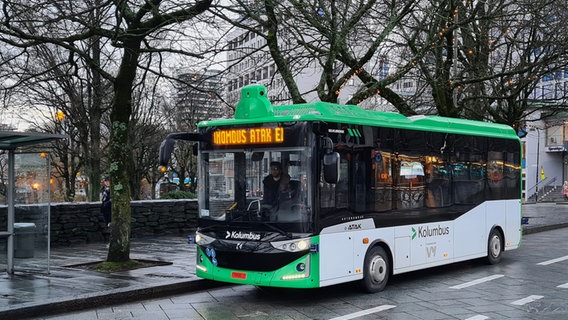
column 110, row 267
column 119, row 266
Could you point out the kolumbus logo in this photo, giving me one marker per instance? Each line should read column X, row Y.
column 426, row 231
column 239, row 235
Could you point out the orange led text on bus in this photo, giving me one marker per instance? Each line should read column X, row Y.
column 248, row 136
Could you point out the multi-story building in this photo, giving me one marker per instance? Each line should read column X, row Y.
column 546, row 142
column 545, row 158
column 249, row 61
column 199, row 98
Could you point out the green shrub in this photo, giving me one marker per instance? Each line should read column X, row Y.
column 178, row 194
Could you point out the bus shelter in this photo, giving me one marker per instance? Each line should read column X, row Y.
column 24, row 183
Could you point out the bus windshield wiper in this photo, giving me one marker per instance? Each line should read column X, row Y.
column 278, row 229
column 207, row 228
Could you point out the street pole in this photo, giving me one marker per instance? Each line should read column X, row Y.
column 537, row 160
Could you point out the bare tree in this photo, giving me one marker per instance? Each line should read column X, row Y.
column 64, row 90
column 474, row 59
column 147, row 132
column 485, row 58
column 344, row 41
column 532, row 47
column 140, row 31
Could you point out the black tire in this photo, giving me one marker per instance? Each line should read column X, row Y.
column 494, row 247
column 376, row 270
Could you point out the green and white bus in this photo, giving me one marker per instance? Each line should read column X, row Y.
column 370, row 194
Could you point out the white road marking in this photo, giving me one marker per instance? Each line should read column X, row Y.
column 545, row 263
column 364, row 312
column 478, row 317
column 563, row 286
column 478, row 281
column 526, row 300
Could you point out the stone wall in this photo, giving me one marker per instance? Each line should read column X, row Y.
column 76, row 223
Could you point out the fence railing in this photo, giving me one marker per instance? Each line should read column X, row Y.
column 542, row 187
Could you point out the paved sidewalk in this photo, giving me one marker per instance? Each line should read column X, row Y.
column 65, row 289
column 545, row 216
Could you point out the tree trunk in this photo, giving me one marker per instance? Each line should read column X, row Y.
column 94, row 161
column 119, row 249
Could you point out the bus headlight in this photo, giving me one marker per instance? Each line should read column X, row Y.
column 302, row 271
column 202, row 239
column 295, row 245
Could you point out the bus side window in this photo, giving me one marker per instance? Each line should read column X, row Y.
column 512, row 174
column 438, row 185
column 342, row 186
column 382, row 189
column 410, row 184
column 360, row 190
column 468, row 180
column 335, row 196
column 327, row 193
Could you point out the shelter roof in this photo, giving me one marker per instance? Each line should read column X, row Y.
column 14, row 139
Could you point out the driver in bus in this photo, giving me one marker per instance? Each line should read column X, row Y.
column 275, row 184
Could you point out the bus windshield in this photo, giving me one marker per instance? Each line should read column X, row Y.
column 260, row 186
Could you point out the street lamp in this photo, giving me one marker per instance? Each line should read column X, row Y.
column 35, row 187
column 60, row 115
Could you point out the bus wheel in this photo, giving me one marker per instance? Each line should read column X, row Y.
column 376, row 270
column 494, row 247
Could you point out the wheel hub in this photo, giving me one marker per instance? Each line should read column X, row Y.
column 495, row 246
column 378, row 269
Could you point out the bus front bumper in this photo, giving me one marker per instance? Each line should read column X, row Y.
column 297, row 274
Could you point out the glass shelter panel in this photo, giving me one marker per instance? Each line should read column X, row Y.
column 32, row 211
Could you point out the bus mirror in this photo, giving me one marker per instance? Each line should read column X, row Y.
column 327, row 145
column 166, row 148
column 331, row 167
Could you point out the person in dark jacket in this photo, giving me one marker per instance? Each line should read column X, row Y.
column 275, row 183
column 106, row 207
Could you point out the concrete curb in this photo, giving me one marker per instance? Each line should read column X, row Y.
column 544, row 228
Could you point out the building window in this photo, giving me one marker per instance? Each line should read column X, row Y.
column 265, row 73
column 547, row 92
column 383, row 68
column 547, row 77
column 559, row 90
column 554, row 136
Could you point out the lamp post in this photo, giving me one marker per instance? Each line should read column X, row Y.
column 537, row 164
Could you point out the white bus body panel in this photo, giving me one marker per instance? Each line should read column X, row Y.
column 417, row 246
column 342, row 251
column 513, row 230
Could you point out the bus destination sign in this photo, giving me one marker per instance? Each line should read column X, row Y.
column 242, row 136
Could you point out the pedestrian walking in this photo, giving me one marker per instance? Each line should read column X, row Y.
column 565, row 190
column 106, row 207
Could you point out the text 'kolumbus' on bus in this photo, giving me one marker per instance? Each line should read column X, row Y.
column 316, row 194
